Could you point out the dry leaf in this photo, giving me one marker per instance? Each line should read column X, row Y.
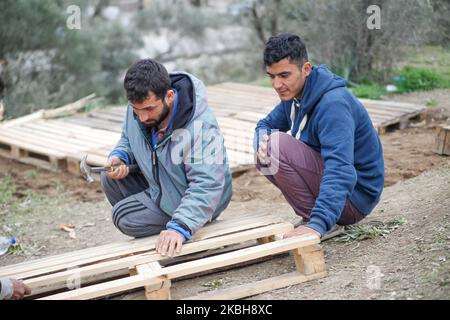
column 89, row 224
column 67, row 227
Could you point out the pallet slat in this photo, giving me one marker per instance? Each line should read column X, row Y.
column 186, row 268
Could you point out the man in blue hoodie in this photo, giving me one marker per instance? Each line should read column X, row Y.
column 330, row 168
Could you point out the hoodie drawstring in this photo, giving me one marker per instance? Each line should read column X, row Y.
column 296, row 104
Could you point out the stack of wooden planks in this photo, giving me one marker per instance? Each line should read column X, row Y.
column 117, row 267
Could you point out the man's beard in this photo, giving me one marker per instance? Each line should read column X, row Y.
column 165, row 112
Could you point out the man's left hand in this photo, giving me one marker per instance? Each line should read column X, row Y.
column 169, row 242
column 301, row 231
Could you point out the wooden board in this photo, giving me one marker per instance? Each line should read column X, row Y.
column 191, row 267
column 83, row 257
column 442, row 141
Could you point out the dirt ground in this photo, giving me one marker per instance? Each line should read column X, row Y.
column 413, row 261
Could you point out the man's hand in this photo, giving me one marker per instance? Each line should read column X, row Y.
column 300, row 231
column 262, row 150
column 169, row 242
column 121, row 170
column 19, row 289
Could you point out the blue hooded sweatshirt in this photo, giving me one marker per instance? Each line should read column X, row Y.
column 338, row 126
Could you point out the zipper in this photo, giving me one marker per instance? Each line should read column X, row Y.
column 155, row 170
column 155, row 167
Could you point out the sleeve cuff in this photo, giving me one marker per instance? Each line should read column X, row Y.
column 122, row 155
column 173, row 225
column 317, row 225
column 6, row 291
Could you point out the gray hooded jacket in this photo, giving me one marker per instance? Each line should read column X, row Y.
column 188, row 173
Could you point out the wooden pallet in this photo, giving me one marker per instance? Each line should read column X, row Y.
column 114, row 268
column 442, row 142
column 56, row 145
column 247, row 103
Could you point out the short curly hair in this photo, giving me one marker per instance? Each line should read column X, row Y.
column 146, row 76
column 285, row 45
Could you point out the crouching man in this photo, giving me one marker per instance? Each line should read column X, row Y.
column 184, row 179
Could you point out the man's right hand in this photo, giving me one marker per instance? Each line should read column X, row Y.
column 262, row 150
column 120, row 171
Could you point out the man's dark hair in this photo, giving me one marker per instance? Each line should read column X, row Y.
column 144, row 76
column 285, row 45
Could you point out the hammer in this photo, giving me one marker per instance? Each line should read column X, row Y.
column 87, row 170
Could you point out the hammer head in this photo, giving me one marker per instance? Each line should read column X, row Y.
column 86, row 169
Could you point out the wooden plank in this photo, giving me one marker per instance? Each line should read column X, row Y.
column 442, row 140
column 45, row 142
column 71, row 135
column 40, row 283
column 17, row 141
column 62, row 138
column 68, row 109
column 309, row 261
column 117, row 119
column 97, row 254
column 247, row 88
column 160, row 291
column 400, row 105
column 231, row 258
column 14, row 122
column 117, row 110
column 384, row 114
column 238, row 105
column 268, row 94
column 46, row 164
column 191, row 267
column 84, row 131
column 258, row 287
column 94, row 124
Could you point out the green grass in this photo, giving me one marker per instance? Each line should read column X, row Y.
column 214, row 284
column 430, row 57
column 424, row 68
column 7, row 190
column 13, row 201
column 369, row 91
column 421, row 79
column 15, row 249
column 31, row 174
column 431, row 102
column 369, row 230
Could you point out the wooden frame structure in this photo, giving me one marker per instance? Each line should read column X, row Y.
column 114, row 268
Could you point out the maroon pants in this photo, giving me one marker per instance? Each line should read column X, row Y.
column 296, row 169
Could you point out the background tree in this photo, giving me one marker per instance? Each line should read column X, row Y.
column 44, row 64
column 336, row 31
